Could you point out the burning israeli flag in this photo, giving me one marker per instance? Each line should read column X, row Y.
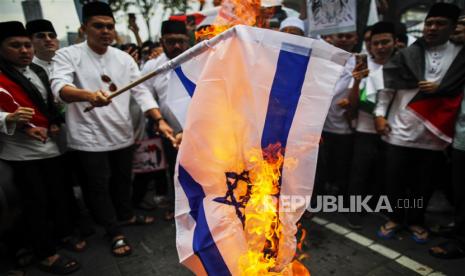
column 252, row 103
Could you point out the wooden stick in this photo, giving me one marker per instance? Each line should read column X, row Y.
column 192, row 52
column 127, row 87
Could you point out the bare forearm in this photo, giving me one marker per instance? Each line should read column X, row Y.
column 153, row 113
column 72, row 94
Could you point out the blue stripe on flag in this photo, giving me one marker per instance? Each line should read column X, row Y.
column 203, row 244
column 187, row 83
column 284, row 97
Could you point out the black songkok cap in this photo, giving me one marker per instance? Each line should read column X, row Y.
column 10, row 29
column 38, row 26
column 446, row 10
column 173, row 27
column 95, row 9
column 383, row 27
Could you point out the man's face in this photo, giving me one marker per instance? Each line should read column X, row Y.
column 345, row 41
column 174, row 44
column 382, row 46
column 293, row 30
column 100, row 30
column 45, row 43
column 17, row 50
column 437, row 30
column 459, row 34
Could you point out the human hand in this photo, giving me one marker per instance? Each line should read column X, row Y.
column 99, row 98
column 178, row 140
column 54, row 130
column 343, row 103
column 428, row 86
column 21, row 115
column 359, row 75
column 37, row 133
column 165, row 130
column 382, row 126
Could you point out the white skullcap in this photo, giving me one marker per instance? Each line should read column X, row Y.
column 292, row 22
column 271, row 3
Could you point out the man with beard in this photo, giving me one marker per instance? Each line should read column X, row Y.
column 44, row 39
column 174, row 40
column 367, row 143
column 103, row 138
column 415, row 114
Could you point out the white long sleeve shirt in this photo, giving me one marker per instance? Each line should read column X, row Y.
column 46, row 65
column 104, row 128
column 406, row 129
column 158, row 85
column 18, row 146
column 335, row 121
column 373, row 83
column 4, row 127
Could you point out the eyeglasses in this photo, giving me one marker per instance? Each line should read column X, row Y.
column 107, row 79
column 44, row 35
column 174, row 41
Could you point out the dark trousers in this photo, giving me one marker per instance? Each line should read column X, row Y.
column 409, row 173
column 45, row 202
column 334, row 158
column 458, row 179
column 366, row 167
column 108, row 186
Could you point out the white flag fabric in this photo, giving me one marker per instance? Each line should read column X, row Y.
column 253, row 88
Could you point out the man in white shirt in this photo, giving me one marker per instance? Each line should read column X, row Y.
column 421, row 99
column 335, row 151
column 175, row 41
column 45, row 42
column 366, row 165
column 103, row 137
column 31, row 151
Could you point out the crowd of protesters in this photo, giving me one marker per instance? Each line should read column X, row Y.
column 372, row 144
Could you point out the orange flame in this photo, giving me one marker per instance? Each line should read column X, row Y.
column 232, row 12
column 262, row 227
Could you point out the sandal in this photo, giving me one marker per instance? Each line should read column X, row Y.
column 169, row 215
column 120, row 243
column 24, row 257
column 61, row 266
column 388, row 232
column 140, row 220
column 448, row 250
column 418, row 234
column 16, row 272
column 72, row 243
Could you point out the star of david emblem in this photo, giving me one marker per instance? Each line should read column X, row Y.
column 238, row 193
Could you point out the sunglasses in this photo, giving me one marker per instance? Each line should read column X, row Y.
column 44, row 35
column 107, row 79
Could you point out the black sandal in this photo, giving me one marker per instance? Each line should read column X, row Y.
column 16, row 272
column 71, row 243
column 61, row 266
column 139, row 220
column 24, row 257
column 451, row 250
column 120, row 243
